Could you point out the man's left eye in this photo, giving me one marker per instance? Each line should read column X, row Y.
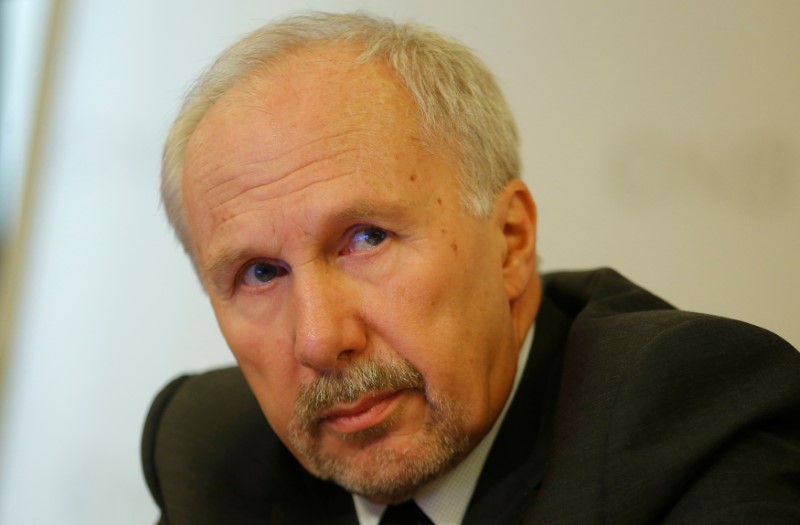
column 366, row 239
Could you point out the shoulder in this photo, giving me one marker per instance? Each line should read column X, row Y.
column 209, row 454
column 630, row 349
column 215, row 395
column 199, row 413
column 612, row 315
column 713, row 406
column 664, row 410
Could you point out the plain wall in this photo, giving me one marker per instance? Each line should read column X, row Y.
column 662, row 139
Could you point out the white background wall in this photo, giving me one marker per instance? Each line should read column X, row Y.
column 659, row 138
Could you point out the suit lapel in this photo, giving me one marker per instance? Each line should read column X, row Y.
column 317, row 502
column 516, row 464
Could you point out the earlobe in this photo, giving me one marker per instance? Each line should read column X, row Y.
column 517, row 218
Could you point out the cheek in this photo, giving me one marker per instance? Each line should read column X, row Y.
column 276, row 400
column 443, row 296
column 268, row 363
column 453, row 314
column 417, row 313
column 255, row 333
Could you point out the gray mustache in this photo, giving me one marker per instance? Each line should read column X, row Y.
column 358, row 379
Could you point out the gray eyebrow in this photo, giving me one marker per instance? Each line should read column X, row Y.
column 222, row 259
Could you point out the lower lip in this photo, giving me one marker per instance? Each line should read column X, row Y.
column 374, row 415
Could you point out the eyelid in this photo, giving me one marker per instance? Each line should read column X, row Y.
column 359, row 229
column 281, row 270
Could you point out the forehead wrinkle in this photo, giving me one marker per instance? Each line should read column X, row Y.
column 240, row 189
column 248, row 189
column 256, row 197
column 280, row 169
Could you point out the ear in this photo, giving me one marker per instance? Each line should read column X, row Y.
column 515, row 215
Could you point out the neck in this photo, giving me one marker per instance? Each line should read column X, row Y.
column 525, row 308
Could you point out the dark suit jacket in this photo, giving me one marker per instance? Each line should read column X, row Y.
column 629, row 412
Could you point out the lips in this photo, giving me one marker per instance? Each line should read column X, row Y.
column 362, row 414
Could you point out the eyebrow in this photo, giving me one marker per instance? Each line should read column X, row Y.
column 363, row 211
column 367, row 211
column 223, row 258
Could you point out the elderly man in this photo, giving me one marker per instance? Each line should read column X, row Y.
column 347, row 189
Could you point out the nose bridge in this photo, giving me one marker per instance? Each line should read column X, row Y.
column 326, row 320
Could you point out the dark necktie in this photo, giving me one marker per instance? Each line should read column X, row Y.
column 405, row 514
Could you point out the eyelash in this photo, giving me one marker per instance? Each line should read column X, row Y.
column 364, row 233
column 279, row 271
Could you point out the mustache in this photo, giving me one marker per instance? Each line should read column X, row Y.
column 360, row 378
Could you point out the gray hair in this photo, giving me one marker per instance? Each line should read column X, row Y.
column 460, row 104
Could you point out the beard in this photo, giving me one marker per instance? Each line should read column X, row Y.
column 377, row 470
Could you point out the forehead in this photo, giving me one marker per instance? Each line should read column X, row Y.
column 317, row 116
column 308, row 103
column 319, row 88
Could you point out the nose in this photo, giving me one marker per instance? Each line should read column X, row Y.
column 329, row 331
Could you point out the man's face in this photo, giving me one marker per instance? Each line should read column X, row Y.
column 366, row 308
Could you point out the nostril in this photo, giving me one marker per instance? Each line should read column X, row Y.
column 345, row 355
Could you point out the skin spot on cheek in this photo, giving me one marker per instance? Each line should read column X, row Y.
column 413, row 177
column 439, row 201
column 454, row 247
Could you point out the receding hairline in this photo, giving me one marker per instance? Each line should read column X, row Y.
column 354, row 53
column 260, row 85
column 459, row 104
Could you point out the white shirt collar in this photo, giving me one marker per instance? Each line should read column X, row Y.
column 445, row 499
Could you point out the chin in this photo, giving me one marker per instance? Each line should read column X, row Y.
column 379, row 465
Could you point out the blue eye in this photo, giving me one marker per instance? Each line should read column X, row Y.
column 261, row 273
column 367, row 239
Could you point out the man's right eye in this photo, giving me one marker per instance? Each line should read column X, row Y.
column 261, row 273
